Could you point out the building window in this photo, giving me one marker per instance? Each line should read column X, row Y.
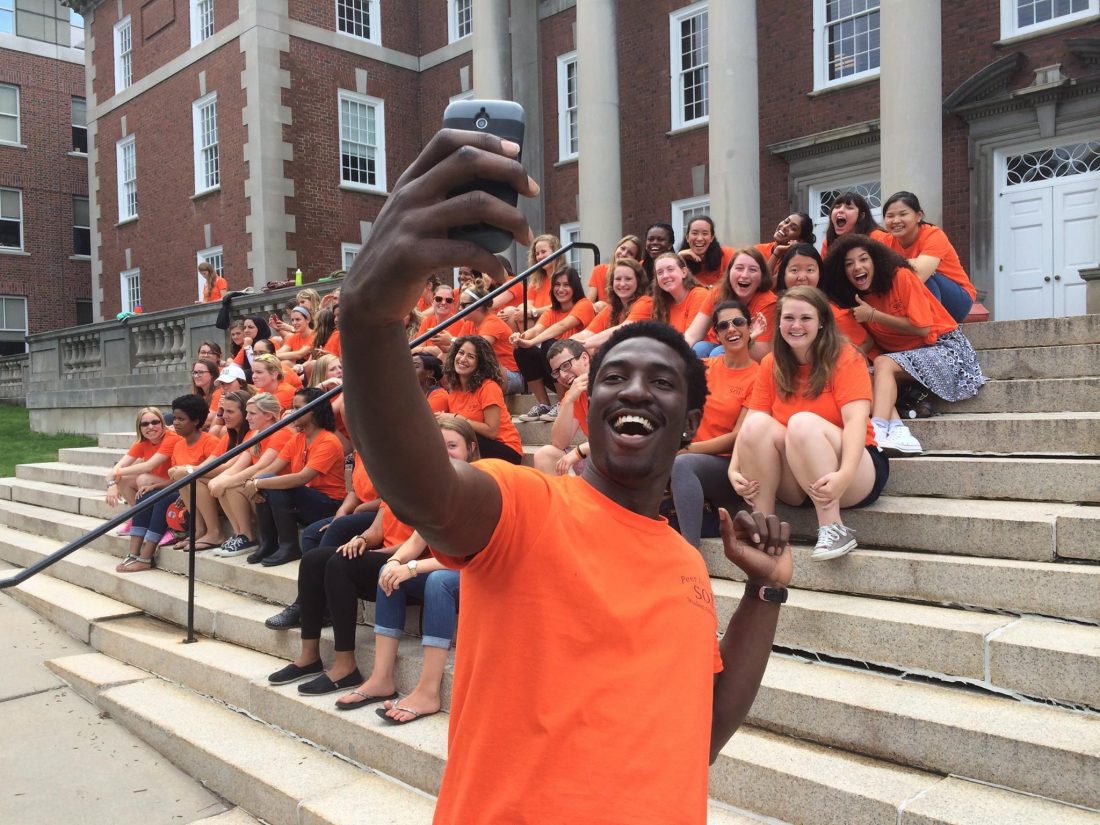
column 1024, row 16
column 83, row 312
column 688, row 51
column 823, row 196
column 686, row 210
column 568, row 233
column 126, row 160
column 80, row 125
column 460, row 19
column 11, row 219
column 76, row 30
column 13, row 325
column 212, row 256
column 130, row 289
column 348, row 251
column 82, row 227
column 568, row 140
column 1048, row 164
column 202, row 20
column 359, row 18
column 204, row 118
column 124, row 53
column 362, row 142
column 7, row 16
column 846, row 40
column 9, row 114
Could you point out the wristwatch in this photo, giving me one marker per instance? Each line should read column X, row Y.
column 777, row 595
column 412, row 566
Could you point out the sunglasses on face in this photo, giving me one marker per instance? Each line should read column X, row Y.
column 152, row 423
column 441, row 300
column 722, row 326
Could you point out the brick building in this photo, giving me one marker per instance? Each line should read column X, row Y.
column 264, row 135
column 45, row 249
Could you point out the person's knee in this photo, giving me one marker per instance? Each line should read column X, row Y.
column 802, row 427
column 546, row 459
column 755, row 430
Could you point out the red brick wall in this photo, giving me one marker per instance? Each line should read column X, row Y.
column 559, row 183
column 48, row 178
column 399, row 21
column 169, row 229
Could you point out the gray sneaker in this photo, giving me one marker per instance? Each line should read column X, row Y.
column 551, row 415
column 534, row 414
column 833, row 541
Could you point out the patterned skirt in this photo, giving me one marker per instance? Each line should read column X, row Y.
column 949, row 367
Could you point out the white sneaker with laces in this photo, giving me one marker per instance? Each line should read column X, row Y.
column 551, row 415
column 833, row 541
column 900, row 440
column 881, row 433
column 533, row 414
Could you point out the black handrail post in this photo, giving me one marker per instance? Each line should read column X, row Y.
column 193, row 517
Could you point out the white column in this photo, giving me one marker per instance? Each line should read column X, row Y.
column 600, row 199
column 734, row 131
column 910, row 102
column 492, row 50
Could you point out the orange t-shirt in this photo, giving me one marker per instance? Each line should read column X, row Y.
column 325, row 455
column 598, row 280
column 500, row 332
column 296, row 341
column 215, row 293
column 515, row 296
column 276, row 441
column 709, row 277
column 761, row 302
column 472, row 405
column 729, row 389
column 291, row 377
column 908, row 298
column 850, row 381
column 215, row 399
column 144, row 450
column 682, row 314
column 394, row 532
column 931, row 240
column 360, row 481
column 538, row 296
column 582, row 310
column 284, row 392
column 876, row 235
column 580, row 412
column 849, row 327
column 195, row 454
column 332, row 345
column 587, row 701
column 437, row 400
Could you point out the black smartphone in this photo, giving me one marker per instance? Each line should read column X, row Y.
column 503, row 118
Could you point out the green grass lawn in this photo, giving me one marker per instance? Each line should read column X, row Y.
column 21, row 446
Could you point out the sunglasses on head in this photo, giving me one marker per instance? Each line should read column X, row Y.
column 739, row 321
column 439, row 299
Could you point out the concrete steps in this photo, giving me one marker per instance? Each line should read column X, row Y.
column 91, row 456
column 1053, row 434
column 1030, row 395
column 1034, row 333
column 1041, row 362
column 987, row 477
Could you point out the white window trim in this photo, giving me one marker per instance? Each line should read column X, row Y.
column 22, row 224
column 380, row 130
column 18, row 117
column 674, row 56
column 83, row 126
column 124, row 292
column 569, row 232
column 452, row 21
column 120, row 149
column 1010, row 29
column 681, row 207
column 347, row 249
column 201, row 184
column 122, row 82
column 196, row 22
column 4, row 317
column 564, row 61
column 373, row 22
column 206, row 255
column 83, row 255
column 821, row 53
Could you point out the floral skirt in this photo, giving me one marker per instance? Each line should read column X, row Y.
column 949, row 367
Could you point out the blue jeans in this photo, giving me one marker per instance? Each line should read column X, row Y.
column 150, row 524
column 438, row 591
column 955, row 299
column 707, row 349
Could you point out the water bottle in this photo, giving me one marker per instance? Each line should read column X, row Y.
column 297, row 277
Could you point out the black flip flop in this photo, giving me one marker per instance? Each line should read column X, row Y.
column 364, row 700
column 391, row 721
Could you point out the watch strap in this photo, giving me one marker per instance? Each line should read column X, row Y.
column 776, row 595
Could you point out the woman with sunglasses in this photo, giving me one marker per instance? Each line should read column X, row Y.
column 701, row 470
column 446, row 304
column 749, row 281
column 145, row 465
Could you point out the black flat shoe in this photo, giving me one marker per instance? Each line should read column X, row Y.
column 291, row 616
column 292, row 673
column 259, row 555
column 281, row 557
column 322, row 684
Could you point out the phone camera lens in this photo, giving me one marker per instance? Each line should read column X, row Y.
column 482, row 122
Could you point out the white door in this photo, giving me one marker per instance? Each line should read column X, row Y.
column 1025, row 281
column 1076, row 240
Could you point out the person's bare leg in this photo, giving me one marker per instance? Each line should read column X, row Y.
column 211, row 514
column 127, row 489
column 310, row 652
column 343, row 664
column 760, row 450
column 888, row 375
column 381, row 680
column 239, row 511
column 546, row 459
column 813, row 450
column 425, row 697
column 538, row 388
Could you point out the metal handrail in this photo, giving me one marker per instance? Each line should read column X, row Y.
column 191, row 479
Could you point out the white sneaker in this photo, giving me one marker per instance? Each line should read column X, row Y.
column 833, row 541
column 900, row 440
column 551, row 415
column 534, row 414
column 881, row 433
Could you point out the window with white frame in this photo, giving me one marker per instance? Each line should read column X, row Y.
column 824, row 195
column 846, row 40
column 204, row 119
column 202, row 20
column 130, row 289
column 1024, row 16
column 460, row 19
column 568, row 136
column 7, row 16
column 82, row 227
column 688, row 51
column 348, row 251
column 126, row 170
column 80, row 125
column 9, row 113
column 11, row 219
column 212, row 256
column 124, row 54
column 567, row 233
column 362, row 142
column 686, row 210
column 13, row 324
column 76, row 30
column 359, row 18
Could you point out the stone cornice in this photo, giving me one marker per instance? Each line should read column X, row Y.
column 984, row 83
column 1085, row 48
column 831, row 140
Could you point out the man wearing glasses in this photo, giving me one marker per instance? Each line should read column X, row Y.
column 569, row 362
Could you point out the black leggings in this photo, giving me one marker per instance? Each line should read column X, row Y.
column 325, row 575
column 533, row 364
column 491, row 448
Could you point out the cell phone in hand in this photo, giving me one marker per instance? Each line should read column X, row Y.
column 505, row 119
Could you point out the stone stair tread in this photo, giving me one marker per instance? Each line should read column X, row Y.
column 83, row 523
column 1027, row 478
column 74, row 609
column 1034, row 655
column 1034, row 332
column 955, row 801
column 91, row 456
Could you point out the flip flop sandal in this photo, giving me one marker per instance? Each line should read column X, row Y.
column 135, row 564
column 391, row 721
column 364, row 699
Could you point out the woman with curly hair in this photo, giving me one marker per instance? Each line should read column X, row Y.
column 629, row 246
column 476, row 379
column 802, row 266
column 808, row 433
column 706, row 258
column 628, row 301
column 921, row 341
column 749, row 281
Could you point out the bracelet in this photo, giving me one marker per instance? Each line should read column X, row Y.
column 393, row 559
column 111, row 483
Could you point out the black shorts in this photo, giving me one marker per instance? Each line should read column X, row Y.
column 882, row 475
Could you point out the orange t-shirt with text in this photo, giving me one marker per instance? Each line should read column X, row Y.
column 908, row 298
column 472, row 405
column 850, row 381
column 144, row 450
column 325, row 455
column 195, row 454
column 583, row 649
column 729, row 389
column 500, row 332
column 931, row 240
column 582, row 310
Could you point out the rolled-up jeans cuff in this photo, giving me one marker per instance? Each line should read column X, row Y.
column 393, row 633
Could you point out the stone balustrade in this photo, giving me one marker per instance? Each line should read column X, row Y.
column 94, row 378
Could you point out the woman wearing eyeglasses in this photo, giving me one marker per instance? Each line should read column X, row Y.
column 701, row 470
column 204, row 373
column 145, row 465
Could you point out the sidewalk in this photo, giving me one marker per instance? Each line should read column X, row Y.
column 59, row 760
